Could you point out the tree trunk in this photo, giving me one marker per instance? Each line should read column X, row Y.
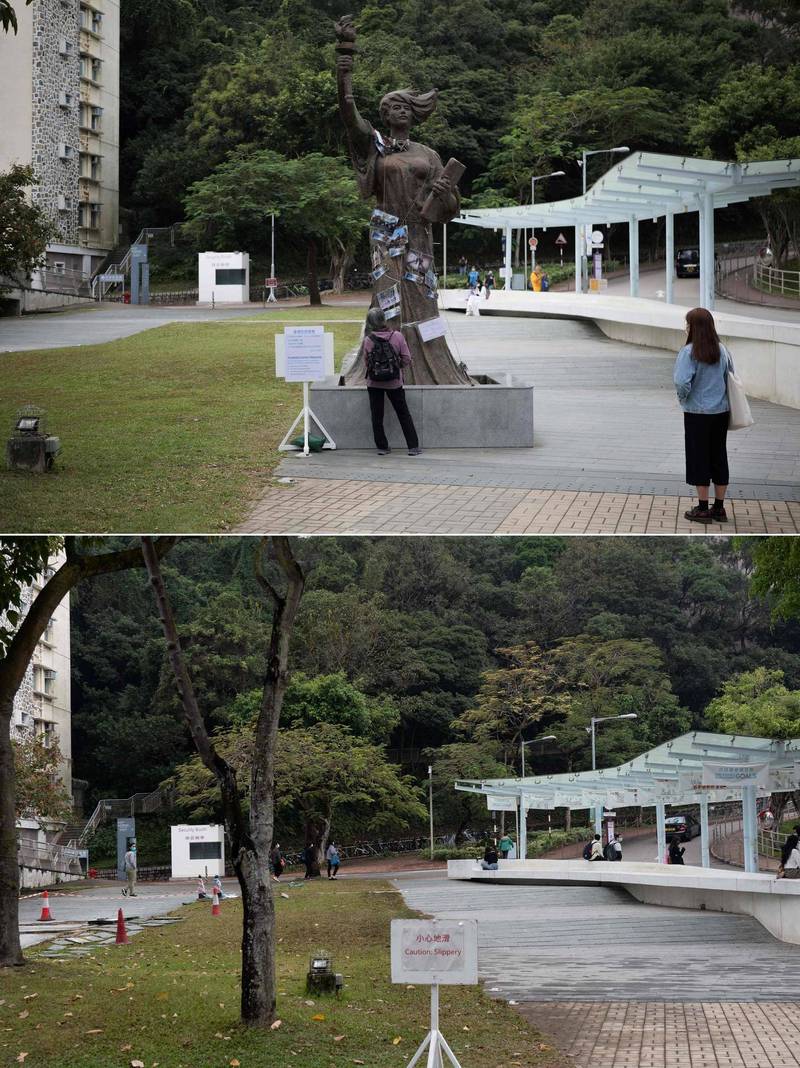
column 317, row 839
column 10, row 950
column 258, row 1003
column 341, row 261
column 13, row 666
column 313, row 280
column 567, row 819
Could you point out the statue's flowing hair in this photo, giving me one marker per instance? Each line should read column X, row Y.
column 422, row 104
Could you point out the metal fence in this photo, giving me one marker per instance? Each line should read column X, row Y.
column 47, row 856
column 775, row 280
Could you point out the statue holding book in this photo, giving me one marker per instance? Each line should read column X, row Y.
column 412, row 190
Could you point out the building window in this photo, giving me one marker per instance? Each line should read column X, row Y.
column 205, row 850
column 231, row 277
column 96, row 63
column 94, row 167
column 94, row 215
column 97, row 22
column 97, row 119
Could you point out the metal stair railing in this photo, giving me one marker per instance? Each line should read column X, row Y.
column 124, row 265
column 113, row 807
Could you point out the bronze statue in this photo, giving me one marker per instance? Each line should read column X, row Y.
column 412, row 190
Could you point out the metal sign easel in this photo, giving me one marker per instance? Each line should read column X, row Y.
column 304, row 354
column 435, row 952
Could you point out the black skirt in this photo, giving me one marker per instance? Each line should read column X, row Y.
column 705, row 438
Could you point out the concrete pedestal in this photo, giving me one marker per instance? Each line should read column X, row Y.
column 491, row 415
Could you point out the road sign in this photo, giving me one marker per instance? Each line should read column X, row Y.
column 270, row 283
column 597, row 237
column 561, row 240
column 533, row 242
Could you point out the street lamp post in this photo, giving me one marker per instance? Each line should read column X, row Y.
column 271, row 298
column 541, row 738
column 598, row 812
column 584, row 156
column 430, row 802
column 534, row 179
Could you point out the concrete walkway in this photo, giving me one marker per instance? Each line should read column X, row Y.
column 608, row 455
column 618, row 984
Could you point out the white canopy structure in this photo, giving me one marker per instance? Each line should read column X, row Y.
column 695, row 768
column 647, row 185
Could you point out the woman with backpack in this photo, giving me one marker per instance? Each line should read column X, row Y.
column 386, row 354
column 333, row 859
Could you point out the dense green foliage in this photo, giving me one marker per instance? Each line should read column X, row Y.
column 525, row 86
column 413, row 651
column 24, row 227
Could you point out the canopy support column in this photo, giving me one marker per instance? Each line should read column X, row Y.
column 670, row 254
column 661, row 832
column 749, row 828
column 633, row 255
column 705, row 855
column 578, row 258
column 707, row 266
column 508, row 233
column 598, row 819
column 522, row 853
column 444, row 255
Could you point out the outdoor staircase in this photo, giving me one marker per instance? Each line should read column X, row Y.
column 77, row 834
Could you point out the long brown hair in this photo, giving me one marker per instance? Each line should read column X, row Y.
column 702, row 335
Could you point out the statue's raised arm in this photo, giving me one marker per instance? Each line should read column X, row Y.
column 357, row 127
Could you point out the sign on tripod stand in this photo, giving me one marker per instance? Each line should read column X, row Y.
column 436, row 953
column 304, row 354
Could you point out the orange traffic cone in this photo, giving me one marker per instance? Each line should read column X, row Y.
column 45, row 908
column 215, row 904
column 122, row 934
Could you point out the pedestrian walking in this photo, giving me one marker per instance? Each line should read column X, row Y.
column 701, row 380
column 216, row 887
column 617, row 848
column 473, row 301
column 490, row 859
column 597, row 848
column 277, row 862
column 387, row 353
column 504, row 845
column 676, row 850
column 333, row 860
column 310, row 861
column 489, row 280
column 131, row 871
column 473, row 277
column 462, row 265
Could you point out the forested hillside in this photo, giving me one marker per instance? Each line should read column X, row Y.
column 525, row 85
column 461, row 646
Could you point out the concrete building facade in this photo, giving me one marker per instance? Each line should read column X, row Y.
column 59, row 76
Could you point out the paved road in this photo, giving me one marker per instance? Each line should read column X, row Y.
column 102, row 902
column 615, row 983
column 96, row 324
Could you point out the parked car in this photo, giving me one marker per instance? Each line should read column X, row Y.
column 686, row 827
column 687, row 263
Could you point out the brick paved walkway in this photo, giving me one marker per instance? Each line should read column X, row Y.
column 338, row 506
column 647, row 1034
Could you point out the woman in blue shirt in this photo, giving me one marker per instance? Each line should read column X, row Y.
column 701, row 380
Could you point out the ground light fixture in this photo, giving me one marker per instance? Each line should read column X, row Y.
column 321, row 978
column 30, row 447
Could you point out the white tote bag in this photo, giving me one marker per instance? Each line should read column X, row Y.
column 740, row 414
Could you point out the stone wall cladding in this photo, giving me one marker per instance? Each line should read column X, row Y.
column 53, row 125
column 23, row 698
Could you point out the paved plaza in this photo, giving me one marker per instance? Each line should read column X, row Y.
column 608, row 454
column 615, row 983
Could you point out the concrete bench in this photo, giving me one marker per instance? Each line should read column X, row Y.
column 775, row 903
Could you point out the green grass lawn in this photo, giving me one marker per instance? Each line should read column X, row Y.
column 171, row 997
column 174, row 429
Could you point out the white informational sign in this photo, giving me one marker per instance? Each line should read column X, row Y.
column 506, row 272
column 443, row 952
column 197, row 850
column 304, row 353
column 500, row 804
column 111, row 277
column 432, row 328
column 735, row 774
column 597, row 237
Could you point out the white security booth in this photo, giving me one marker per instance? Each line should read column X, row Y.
column 223, row 277
column 198, row 850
